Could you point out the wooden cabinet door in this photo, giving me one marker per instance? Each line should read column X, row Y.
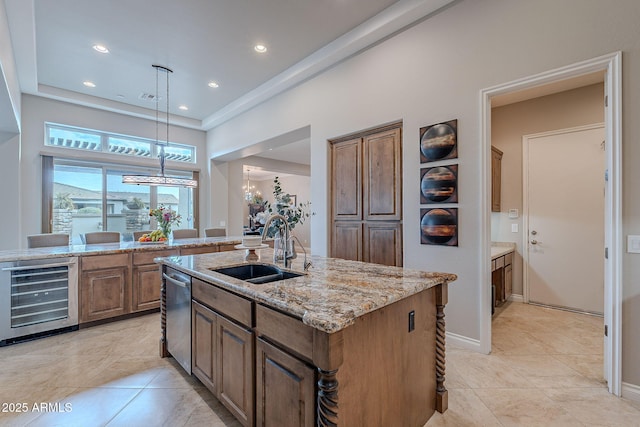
column 145, row 289
column 383, row 176
column 347, row 240
column 104, row 293
column 285, row 394
column 496, row 177
column 235, row 370
column 203, row 345
column 383, row 243
column 346, row 179
column 508, row 281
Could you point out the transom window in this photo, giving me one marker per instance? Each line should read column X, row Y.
column 97, row 141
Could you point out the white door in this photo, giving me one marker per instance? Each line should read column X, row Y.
column 565, row 202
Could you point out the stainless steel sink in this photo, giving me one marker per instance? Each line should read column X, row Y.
column 256, row 273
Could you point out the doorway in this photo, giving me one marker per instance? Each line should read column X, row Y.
column 611, row 66
column 563, row 211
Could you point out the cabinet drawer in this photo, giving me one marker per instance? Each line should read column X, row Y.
column 233, row 306
column 146, row 257
column 227, row 247
column 508, row 259
column 493, row 264
column 286, row 330
column 198, row 250
column 98, row 262
column 499, row 262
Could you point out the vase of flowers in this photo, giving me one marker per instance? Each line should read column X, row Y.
column 165, row 218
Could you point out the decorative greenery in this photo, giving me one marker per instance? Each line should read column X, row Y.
column 89, row 210
column 257, row 199
column 166, row 218
column 135, row 203
column 282, row 205
column 63, row 201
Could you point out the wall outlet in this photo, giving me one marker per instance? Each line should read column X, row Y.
column 514, row 228
column 633, row 244
column 223, row 223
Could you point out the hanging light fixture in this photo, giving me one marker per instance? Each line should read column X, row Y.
column 161, row 179
column 248, row 189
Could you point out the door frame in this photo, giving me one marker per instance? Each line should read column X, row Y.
column 612, row 65
column 525, row 196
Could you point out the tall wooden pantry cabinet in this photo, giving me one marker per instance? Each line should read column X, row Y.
column 366, row 195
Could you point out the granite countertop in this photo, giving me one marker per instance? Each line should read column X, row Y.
column 112, row 248
column 499, row 249
column 329, row 297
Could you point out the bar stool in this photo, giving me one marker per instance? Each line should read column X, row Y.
column 215, row 232
column 98, row 237
column 185, row 233
column 47, row 240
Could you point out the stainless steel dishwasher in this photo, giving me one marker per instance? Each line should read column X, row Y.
column 178, row 303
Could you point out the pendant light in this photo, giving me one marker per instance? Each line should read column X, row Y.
column 161, row 179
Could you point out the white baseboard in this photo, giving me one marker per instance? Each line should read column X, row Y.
column 516, row 298
column 631, row 391
column 462, row 341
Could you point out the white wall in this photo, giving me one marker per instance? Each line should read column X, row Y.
column 36, row 111
column 9, row 85
column 434, row 72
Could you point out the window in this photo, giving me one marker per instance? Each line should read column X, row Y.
column 86, row 139
column 90, row 197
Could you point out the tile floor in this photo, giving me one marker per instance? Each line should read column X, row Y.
column 111, row 375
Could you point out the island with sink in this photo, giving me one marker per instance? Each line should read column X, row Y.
column 341, row 343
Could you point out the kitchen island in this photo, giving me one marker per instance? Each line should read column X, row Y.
column 345, row 343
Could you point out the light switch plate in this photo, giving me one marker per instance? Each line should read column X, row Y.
column 223, row 223
column 513, row 213
column 514, row 228
column 633, row 244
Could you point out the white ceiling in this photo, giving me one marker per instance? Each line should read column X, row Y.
column 200, row 40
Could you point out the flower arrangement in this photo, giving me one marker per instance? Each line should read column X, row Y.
column 283, row 205
column 165, row 218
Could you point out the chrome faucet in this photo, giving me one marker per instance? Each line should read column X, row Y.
column 286, row 256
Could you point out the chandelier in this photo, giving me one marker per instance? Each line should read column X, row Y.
column 248, row 188
column 160, row 179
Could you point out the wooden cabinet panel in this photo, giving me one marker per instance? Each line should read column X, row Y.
column 383, row 243
column 508, row 281
column 346, row 182
column 145, row 289
column 104, row 293
column 285, row 330
column 227, row 247
column 235, row 370
column 98, row 262
column 366, row 188
column 233, row 306
column 203, row 345
column 347, row 240
column 383, row 176
column 284, row 389
column 198, row 250
column 496, row 177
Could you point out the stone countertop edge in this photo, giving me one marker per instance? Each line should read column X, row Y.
column 499, row 249
column 329, row 297
column 112, row 248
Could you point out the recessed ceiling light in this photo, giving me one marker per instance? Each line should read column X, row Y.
column 213, row 84
column 89, row 84
column 183, row 107
column 100, row 48
column 260, row 48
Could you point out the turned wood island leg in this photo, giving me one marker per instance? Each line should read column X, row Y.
column 442, row 394
column 327, row 398
column 163, row 320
